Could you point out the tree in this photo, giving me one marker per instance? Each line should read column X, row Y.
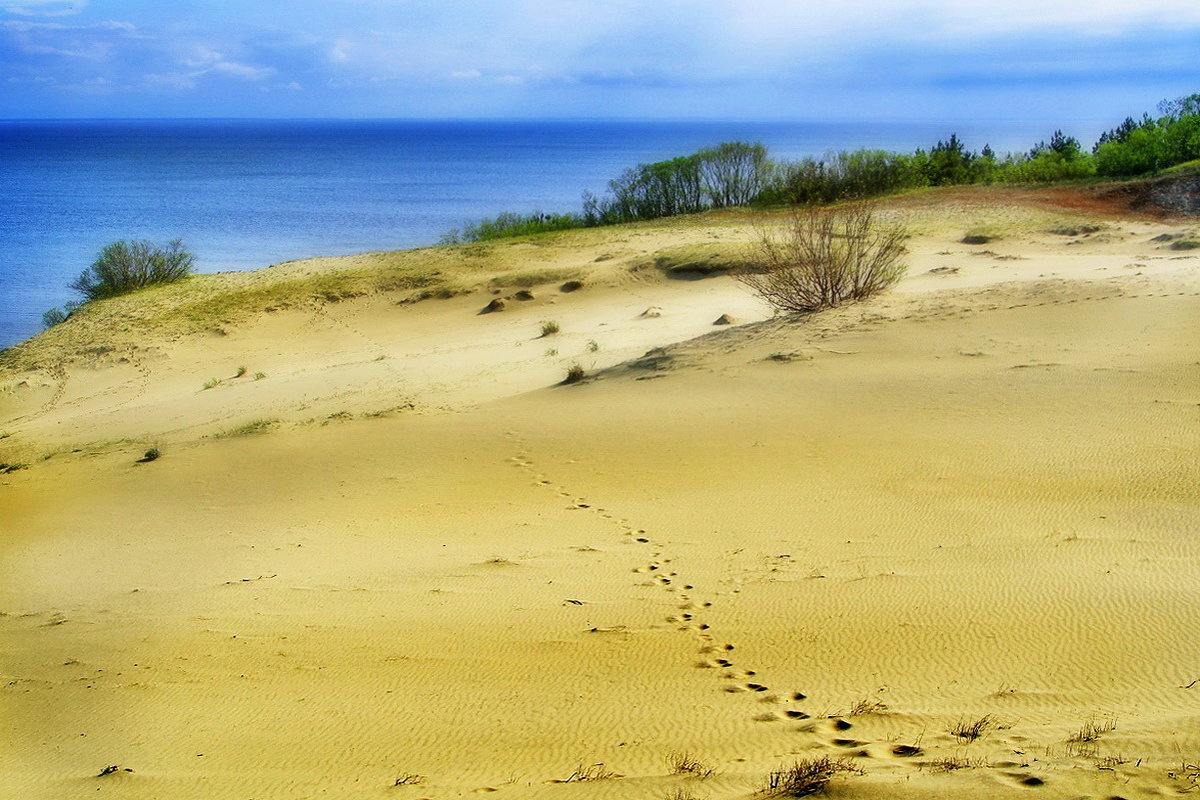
column 125, row 266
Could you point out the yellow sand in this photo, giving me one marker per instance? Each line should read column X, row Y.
column 405, row 554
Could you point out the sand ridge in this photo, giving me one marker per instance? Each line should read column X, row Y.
column 967, row 507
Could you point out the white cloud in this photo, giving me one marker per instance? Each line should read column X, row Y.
column 242, row 71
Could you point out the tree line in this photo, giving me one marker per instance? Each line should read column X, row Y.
column 743, row 173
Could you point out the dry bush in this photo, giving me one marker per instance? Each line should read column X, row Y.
column 683, row 763
column 867, row 706
column 825, row 257
column 1092, row 730
column 807, row 776
column 591, row 772
column 969, row 730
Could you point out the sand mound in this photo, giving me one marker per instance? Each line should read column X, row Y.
column 944, row 538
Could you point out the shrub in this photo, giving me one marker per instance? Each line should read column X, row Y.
column 968, row 730
column 842, row 176
column 827, row 257
column 1046, row 166
column 728, row 174
column 125, row 266
column 549, row 328
column 575, row 373
column 57, row 316
column 807, row 776
column 508, row 224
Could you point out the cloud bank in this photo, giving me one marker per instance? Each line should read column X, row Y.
column 589, row 58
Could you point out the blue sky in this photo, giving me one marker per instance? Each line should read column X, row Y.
column 946, row 59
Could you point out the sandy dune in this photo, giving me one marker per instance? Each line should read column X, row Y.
column 405, row 555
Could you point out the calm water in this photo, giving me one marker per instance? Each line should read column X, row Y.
column 246, row 194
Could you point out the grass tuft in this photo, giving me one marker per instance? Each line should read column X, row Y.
column 807, row 776
column 550, row 327
column 575, row 373
column 970, row 730
column 409, row 779
column 248, row 429
column 683, row 763
column 1092, row 730
column 592, row 772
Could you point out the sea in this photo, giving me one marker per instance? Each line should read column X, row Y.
column 244, row 194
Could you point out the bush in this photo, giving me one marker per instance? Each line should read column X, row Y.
column 125, row 266
column 807, row 776
column 1047, row 166
column 508, row 224
column 852, row 175
column 826, row 257
column 729, row 174
column 57, row 316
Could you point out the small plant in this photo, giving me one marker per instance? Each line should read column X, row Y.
column 153, row 454
column 552, row 351
column 57, row 316
column 240, row 372
column 807, row 776
column 867, row 706
column 1093, row 730
column 593, row 772
column 682, row 763
column 409, row 779
column 212, row 383
column 682, row 794
column 248, row 429
column 549, row 328
column 955, row 762
column 970, row 730
column 258, row 376
column 575, row 373
column 593, row 346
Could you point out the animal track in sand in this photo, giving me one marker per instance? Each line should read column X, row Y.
column 736, row 681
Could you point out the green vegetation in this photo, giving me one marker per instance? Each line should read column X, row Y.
column 742, row 173
column 125, row 266
column 508, row 224
column 248, row 429
column 575, row 373
column 1153, row 143
column 549, row 328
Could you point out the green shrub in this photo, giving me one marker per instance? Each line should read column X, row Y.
column 125, row 266
column 843, row 176
column 57, row 316
column 508, row 225
column 1046, row 167
column 729, row 174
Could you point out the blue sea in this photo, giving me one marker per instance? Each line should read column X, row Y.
column 244, row 194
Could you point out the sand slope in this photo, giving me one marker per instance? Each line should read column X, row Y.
column 971, row 501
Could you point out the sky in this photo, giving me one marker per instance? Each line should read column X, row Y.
column 799, row 59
